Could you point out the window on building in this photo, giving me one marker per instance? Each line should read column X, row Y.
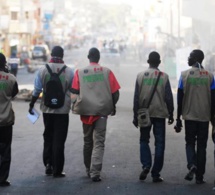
column 14, row 15
column 26, row 15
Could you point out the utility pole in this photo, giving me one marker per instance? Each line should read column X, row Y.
column 171, row 19
column 179, row 21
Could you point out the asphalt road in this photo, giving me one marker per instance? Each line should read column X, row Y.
column 121, row 167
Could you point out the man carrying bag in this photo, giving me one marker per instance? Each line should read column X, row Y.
column 152, row 94
column 143, row 112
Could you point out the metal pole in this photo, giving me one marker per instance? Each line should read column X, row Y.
column 171, row 19
column 179, row 20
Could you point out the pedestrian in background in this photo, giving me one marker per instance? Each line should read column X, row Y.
column 160, row 108
column 13, row 63
column 96, row 93
column 8, row 90
column 56, row 120
column 196, row 104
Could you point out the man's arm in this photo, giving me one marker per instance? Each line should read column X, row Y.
column 136, row 105
column 115, row 97
column 114, row 86
column 169, row 102
column 36, row 92
column 169, row 98
column 213, row 100
column 180, row 96
column 75, row 88
column 15, row 90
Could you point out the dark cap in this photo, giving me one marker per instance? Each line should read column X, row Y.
column 2, row 60
column 154, row 58
column 57, row 51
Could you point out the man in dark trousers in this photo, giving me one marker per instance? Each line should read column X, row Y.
column 196, row 104
column 96, row 93
column 160, row 108
column 13, row 63
column 8, row 90
column 56, row 120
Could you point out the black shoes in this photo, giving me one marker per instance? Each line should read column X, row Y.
column 200, row 181
column 96, row 178
column 4, row 183
column 157, row 179
column 59, row 175
column 88, row 174
column 49, row 169
column 144, row 174
column 191, row 173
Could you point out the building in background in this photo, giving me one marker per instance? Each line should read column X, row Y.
column 20, row 21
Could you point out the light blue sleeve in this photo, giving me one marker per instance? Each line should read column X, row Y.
column 213, row 84
column 180, row 83
column 37, row 85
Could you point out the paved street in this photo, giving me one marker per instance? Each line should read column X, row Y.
column 121, row 166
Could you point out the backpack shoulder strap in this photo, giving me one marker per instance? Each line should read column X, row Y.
column 49, row 69
column 153, row 91
column 61, row 70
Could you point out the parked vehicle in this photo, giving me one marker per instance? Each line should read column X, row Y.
column 40, row 52
column 24, row 58
column 110, row 56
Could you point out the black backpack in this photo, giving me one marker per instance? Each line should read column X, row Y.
column 54, row 94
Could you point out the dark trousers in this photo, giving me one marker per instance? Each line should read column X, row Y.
column 6, row 133
column 55, row 134
column 14, row 71
column 196, row 131
column 145, row 152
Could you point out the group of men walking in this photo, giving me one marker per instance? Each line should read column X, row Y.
column 195, row 100
column 93, row 92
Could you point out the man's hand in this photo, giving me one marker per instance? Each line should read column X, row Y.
column 31, row 106
column 113, row 113
column 213, row 134
column 135, row 122
column 171, row 120
column 213, row 120
column 178, row 126
column 213, row 128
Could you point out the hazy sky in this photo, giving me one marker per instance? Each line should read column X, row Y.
column 131, row 2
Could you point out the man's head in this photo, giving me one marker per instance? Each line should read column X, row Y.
column 154, row 59
column 2, row 61
column 94, row 55
column 196, row 55
column 57, row 51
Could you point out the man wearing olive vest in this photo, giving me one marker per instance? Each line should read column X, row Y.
column 8, row 90
column 56, row 120
column 96, row 93
column 160, row 108
column 196, row 104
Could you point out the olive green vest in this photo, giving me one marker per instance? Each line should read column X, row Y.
column 146, row 81
column 95, row 96
column 197, row 94
column 7, row 82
